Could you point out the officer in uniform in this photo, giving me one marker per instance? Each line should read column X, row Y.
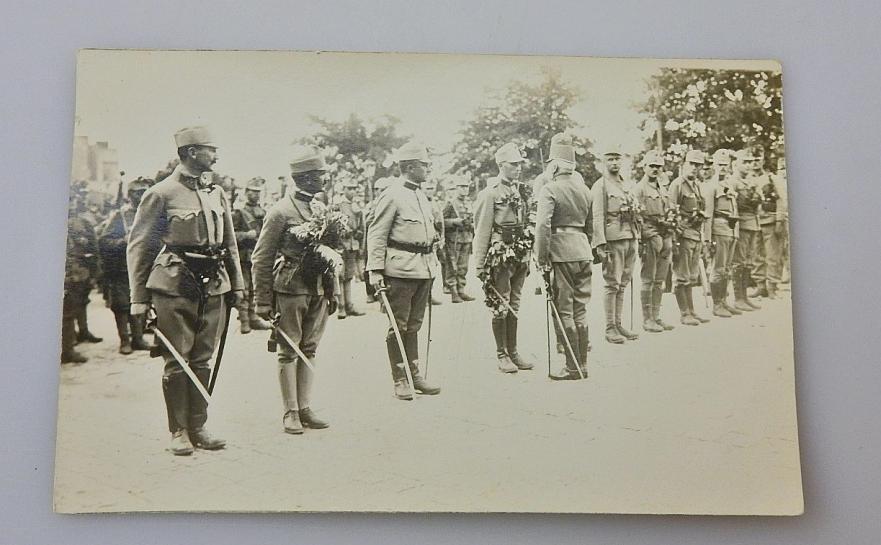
column 501, row 220
column 562, row 245
column 248, row 221
column 657, row 241
column 302, row 299
column 351, row 247
column 183, row 259
column 615, row 237
column 720, row 228
column 112, row 243
column 401, row 244
column 85, row 226
column 748, row 201
column 80, row 263
column 686, row 193
column 459, row 228
column 773, row 222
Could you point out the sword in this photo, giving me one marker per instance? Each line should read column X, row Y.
column 290, row 342
column 428, row 342
column 220, row 348
column 180, row 360
column 391, row 318
column 705, row 284
column 559, row 322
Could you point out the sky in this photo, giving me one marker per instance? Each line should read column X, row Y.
column 258, row 102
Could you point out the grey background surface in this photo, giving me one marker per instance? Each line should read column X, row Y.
column 830, row 57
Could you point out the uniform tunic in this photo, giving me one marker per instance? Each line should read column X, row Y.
column 279, row 281
column 401, row 240
column 170, row 220
column 563, row 225
column 721, row 211
column 687, row 195
column 657, row 239
column 459, row 229
column 501, row 210
column 773, row 211
column 748, row 226
column 112, row 242
column 616, row 227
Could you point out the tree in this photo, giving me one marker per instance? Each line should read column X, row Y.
column 355, row 149
column 528, row 115
column 712, row 109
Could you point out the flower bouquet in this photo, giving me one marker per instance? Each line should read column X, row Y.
column 501, row 254
column 323, row 232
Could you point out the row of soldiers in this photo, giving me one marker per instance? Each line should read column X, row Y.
column 187, row 261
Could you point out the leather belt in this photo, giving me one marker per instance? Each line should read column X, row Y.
column 568, row 229
column 411, row 247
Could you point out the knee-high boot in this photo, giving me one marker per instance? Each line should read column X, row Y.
column 122, row 330
column 646, row 298
column 612, row 334
column 288, row 380
column 500, row 334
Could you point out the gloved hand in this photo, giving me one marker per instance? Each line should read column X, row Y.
column 602, row 252
column 377, row 280
column 139, row 308
column 264, row 312
column 235, row 297
column 332, row 305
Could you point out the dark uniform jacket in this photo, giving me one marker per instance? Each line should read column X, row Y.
column 459, row 209
column 82, row 252
column 246, row 219
column 113, row 240
column 172, row 215
column 563, row 221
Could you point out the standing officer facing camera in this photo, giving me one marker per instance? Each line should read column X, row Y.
column 182, row 259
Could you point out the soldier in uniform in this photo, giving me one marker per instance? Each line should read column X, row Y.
column 562, row 245
column 615, row 237
column 773, row 222
column 248, row 221
column 183, row 259
column 302, row 299
column 748, row 201
column 85, row 226
column 459, row 228
column 720, row 229
column 351, row 248
column 501, row 220
column 437, row 211
column 401, row 244
column 657, row 241
column 686, row 193
column 81, row 258
column 112, row 242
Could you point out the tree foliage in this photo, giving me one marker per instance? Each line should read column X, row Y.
column 355, row 148
column 712, row 109
column 528, row 115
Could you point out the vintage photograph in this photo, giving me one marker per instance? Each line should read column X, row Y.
column 387, row 282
